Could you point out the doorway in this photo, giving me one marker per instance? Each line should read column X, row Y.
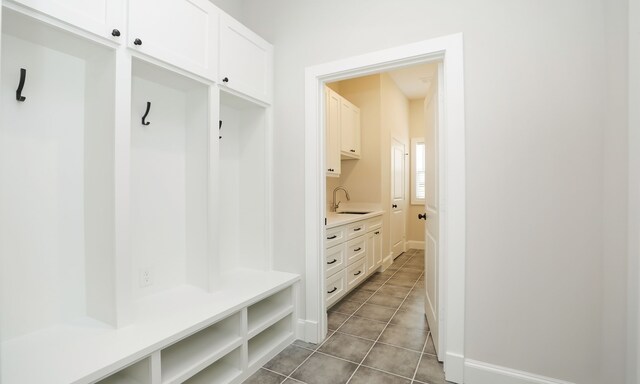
column 448, row 49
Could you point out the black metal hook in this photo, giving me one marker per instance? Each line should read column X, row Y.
column 23, row 75
column 219, row 127
column 146, row 113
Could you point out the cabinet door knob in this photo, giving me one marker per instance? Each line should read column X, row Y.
column 394, row 206
column 115, row 33
column 225, row 80
column 137, row 42
column 377, row 233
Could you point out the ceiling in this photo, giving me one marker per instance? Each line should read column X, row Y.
column 415, row 81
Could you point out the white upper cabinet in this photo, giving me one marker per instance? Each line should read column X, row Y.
column 101, row 17
column 349, row 130
column 246, row 60
column 179, row 32
column 332, row 130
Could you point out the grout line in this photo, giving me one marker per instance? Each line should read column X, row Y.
column 420, row 361
column 388, row 322
column 382, row 342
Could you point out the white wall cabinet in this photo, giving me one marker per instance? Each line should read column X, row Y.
column 332, row 131
column 245, row 61
column 183, row 33
column 100, row 17
column 125, row 207
column 349, row 130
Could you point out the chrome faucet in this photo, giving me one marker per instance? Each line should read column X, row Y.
column 337, row 205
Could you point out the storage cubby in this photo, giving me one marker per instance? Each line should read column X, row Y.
column 245, row 195
column 190, row 355
column 268, row 340
column 57, row 176
column 266, row 312
column 138, row 373
column 169, row 181
column 222, row 371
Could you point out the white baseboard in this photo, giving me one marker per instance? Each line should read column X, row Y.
column 414, row 244
column 454, row 367
column 477, row 372
column 387, row 261
column 308, row 330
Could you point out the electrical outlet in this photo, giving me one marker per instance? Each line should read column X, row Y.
column 146, row 277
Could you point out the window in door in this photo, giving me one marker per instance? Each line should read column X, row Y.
column 417, row 171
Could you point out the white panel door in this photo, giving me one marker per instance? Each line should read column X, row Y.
column 397, row 197
column 245, row 60
column 96, row 16
column 349, row 130
column 432, row 230
column 179, row 32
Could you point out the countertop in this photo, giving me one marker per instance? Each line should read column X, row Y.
column 336, row 219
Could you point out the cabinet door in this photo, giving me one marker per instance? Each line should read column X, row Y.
column 377, row 247
column 246, row 60
column 371, row 262
column 332, row 129
column 349, row 130
column 179, row 32
column 100, row 17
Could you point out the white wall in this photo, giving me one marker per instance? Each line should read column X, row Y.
column 535, row 86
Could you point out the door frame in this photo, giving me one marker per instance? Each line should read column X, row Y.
column 452, row 179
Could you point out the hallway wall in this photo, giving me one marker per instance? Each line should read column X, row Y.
column 535, row 84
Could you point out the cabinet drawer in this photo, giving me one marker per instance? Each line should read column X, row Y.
column 356, row 229
column 335, row 259
column 374, row 223
column 335, row 287
column 356, row 248
column 334, row 236
column 356, row 272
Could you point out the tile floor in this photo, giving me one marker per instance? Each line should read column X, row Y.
column 378, row 334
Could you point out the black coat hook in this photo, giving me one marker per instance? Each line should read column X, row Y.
column 146, row 113
column 23, row 75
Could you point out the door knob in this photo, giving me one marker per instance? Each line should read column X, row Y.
column 137, row 42
column 394, row 206
column 422, row 216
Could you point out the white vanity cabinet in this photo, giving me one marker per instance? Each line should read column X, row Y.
column 183, row 33
column 353, row 251
column 100, row 17
column 245, row 61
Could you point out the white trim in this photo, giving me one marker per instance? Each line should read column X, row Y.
column 412, row 179
column 449, row 49
column 415, row 244
column 477, row 372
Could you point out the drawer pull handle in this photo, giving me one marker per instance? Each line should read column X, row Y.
column 333, row 290
column 352, row 150
column 332, row 237
column 356, row 274
column 357, row 249
column 331, row 262
column 377, row 233
column 356, row 229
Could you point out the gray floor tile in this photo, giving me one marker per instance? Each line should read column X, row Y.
column 335, row 320
column 346, row 347
column 359, row 296
column 410, row 320
column 400, row 282
column 393, row 290
column 385, row 300
column 430, row 348
column 361, row 327
column 288, row 360
column 292, row 381
column 323, row 369
column 375, row 312
column 419, row 268
column 392, row 359
column 430, row 370
column 413, row 305
column 370, row 285
column 264, row 377
column 412, row 273
column 346, row 307
column 366, row 375
column 399, row 336
column 306, row 345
